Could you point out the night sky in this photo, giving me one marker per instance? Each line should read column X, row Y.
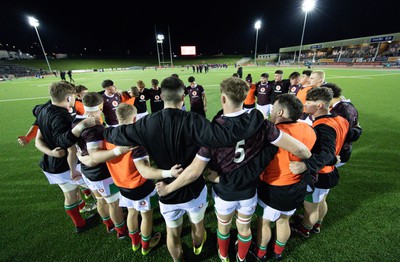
column 213, row 26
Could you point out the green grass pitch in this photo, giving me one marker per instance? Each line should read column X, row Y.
column 362, row 223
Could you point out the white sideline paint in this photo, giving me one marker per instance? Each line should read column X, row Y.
column 23, row 99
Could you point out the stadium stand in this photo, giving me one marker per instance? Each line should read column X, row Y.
column 8, row 69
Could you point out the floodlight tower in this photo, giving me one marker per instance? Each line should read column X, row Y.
column 257, row 26
column 307, row 6
column 160, row 39
column 35, row 23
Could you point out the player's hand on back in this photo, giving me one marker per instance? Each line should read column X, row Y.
column 176, row 170
column 161, row 189
column 297, row 167
column 58, row 152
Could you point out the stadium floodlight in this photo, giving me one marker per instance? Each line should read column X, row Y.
column 257, row 26
column 160, row 39
column 35, row 23
column 307, row 6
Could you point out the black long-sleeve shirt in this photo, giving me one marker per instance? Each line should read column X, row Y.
column 55, row 126
column 173, row 136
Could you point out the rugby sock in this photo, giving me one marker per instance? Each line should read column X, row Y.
column 108, row 222
column 135, row 237
column 279, row 247
column 261, row 251
column 73, row 212
column 304, row 229
column 81, row 204
column 86, row 191
column 244, row 243
column 121, row 228
column 318, row 224
column 146, row 242
column 223, row 243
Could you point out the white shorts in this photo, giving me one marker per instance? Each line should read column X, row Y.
column 244, row 207
column 317, row 196
column 340, row 164
column 265, row 109
column 272, row 214
column 143, row 205
column 173, row 213
column 141, row 115
column 62, row 178
column 105, row 187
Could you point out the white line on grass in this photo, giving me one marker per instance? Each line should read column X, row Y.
column 23, row 99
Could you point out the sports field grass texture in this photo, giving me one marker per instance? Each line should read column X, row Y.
column 362, row 223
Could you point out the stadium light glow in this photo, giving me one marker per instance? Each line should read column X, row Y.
column 307, row 6
column 257, row 26
column 35, row 23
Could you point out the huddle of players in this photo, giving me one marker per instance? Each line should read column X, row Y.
column 235, row 169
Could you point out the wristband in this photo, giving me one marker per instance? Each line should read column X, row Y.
column 117, row 151
column 166, row 173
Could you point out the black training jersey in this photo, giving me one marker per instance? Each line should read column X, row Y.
column 277, row 88
column 156, row 103
column 92, row 136
column 293, row 89
column 237, row 182
column 195, row 95
column 55, row 126
column 110, row 104
column 140, row 101
column 172, row 136
column 263, row 93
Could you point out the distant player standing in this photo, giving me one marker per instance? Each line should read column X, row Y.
column 197, row 96
column 156, row 103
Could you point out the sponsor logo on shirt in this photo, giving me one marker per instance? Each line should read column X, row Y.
column 293, row 89
column 157, row 97
column 278, row 88
column 114, row 103
column 143, row 203
column 141, row 97
column 262, row 89
column 194, row 93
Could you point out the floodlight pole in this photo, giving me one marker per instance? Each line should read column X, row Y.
column 35, row 23
column 170, row 47
column 158, row 52
column 302, row 35
column 257, row 26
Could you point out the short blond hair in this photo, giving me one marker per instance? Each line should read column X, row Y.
column 125, row 111
column 235, row 88
column 320, row 73
column 59, row 91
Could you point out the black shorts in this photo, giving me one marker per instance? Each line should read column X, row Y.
column 328, row 181
column 283, row 198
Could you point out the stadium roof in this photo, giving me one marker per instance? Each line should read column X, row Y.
column 346, row 42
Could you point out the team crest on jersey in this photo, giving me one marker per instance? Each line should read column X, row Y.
column 143, row 203
column 70, row 110
column 202, row 204
column 101, row 190
column 278, row 88
column 262, row 89
column 194, row 93
column 157, row 97
column 115, row 103
column 142, row 97
column 293, row 89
